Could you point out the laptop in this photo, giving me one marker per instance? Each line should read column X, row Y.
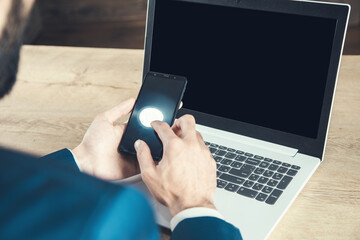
column 261, row 84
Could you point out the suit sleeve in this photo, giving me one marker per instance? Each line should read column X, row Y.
column 42, row 199
column 64, row 157
column 205, row 228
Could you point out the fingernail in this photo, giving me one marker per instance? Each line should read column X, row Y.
column 137, row 144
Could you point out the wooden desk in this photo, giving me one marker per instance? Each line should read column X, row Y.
column 60, row 90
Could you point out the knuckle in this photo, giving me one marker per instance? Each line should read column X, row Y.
column 189, row 119
column 163, row 124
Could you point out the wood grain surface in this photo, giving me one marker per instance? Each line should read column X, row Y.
column 61, row 89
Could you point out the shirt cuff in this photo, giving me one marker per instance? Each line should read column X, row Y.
column 74, row 159
column 192, row 213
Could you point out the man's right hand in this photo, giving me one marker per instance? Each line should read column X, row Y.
column 186, row 175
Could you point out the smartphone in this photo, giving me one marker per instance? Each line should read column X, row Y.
column 159, row 99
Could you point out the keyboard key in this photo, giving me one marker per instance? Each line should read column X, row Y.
column 254, row 177
column 236, row 164
column 222, row 148
column 261, row 197
column 252, row 161
column 226, row 161
column 258, row 157
column 282, row 169
column 231, row 150
column 273, row 167
column 230, row 155
column 291, row 172
column 221, row 184
column 254, row 172
column 232, row 187
column 263, row 180
column 212, row 150
column 240, row 158
column 264, row 164
column 272, row 183
column 259, row 171
column 277, row 176
column 249, row 154
column 247, row 192
column 240, row 172
column 248, row 183
column 218, row 159
column 295, row 167
column 220, row 153
column 274, row 196
column 257, row 186
column 239, row 152
column 224, row 168
column 284, row 182
column 248, row 167
column 267, row 189
column 268, row 173
column 232, row 179
column 286, row 164
column 206, row 143
column 213, row 145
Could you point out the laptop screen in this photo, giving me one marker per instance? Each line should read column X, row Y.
column 264, row 68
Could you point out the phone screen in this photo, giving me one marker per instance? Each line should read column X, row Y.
column 159, row 99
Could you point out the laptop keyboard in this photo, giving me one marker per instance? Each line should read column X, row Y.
column 251, row 175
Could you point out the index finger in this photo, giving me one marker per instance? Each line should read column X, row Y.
column 185, row 125
column 163, row 130
column 120, row 110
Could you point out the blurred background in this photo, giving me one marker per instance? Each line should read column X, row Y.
column 117, row 24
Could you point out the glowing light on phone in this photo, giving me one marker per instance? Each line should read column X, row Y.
column 148, row 115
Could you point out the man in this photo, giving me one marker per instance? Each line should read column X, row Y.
column 49, row 198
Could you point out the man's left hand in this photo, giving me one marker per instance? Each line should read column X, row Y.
column 98, row 154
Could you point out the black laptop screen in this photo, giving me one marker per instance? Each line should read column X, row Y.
column 263, row 68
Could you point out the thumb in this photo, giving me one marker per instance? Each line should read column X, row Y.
column 144, row 157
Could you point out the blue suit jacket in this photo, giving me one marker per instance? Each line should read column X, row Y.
column 48, row 198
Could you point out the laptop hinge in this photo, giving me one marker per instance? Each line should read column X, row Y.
column 268, row 146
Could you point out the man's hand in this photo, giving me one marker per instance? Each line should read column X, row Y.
column 98, row 153
column 186, row 175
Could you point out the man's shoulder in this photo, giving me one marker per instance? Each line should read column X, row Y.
column 67, row 203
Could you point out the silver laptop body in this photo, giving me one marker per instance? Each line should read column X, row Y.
column 299, row 148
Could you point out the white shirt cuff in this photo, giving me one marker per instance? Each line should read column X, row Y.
column 192, row 213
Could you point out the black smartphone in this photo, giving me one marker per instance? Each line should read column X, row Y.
column 159, row 99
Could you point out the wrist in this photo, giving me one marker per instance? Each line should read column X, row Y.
column 179, row 205
column 82, row 159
